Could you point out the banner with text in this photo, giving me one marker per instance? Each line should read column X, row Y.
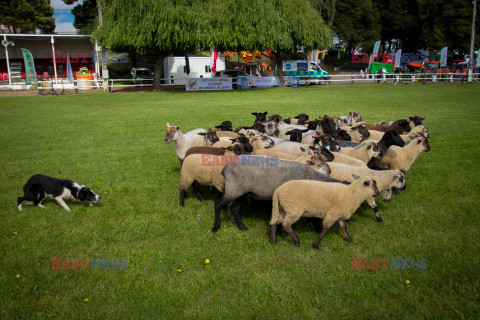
column 30, row 74
column 257, row 82
column 197, row 84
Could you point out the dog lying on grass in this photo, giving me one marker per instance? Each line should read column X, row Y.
column 39, row 186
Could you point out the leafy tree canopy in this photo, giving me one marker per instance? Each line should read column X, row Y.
column 357, row 23
column 179, row 26
column 28, row 15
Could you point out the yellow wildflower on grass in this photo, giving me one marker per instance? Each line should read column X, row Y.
column 207, row 261
column 179, row 270
column 407, row 281
column 17, row 276
column 86, row 299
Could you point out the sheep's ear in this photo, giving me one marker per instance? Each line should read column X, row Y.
column 209, row 129
column 265, row 113
column 355, row 177
column 233, row 140
column 254, row 113
column 353, row 128
column 312, row 147
column 421, row 119
column 202, row 133
column 177, row 128
column 302, row 149
column 349, row 114
column 229, row 148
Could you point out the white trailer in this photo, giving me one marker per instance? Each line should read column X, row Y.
column 174, row 68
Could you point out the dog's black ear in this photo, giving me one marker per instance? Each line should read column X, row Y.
column 81, row 194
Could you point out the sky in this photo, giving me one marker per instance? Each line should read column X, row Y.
column 63, row 17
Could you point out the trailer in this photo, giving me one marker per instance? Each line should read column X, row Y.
column 175, row 69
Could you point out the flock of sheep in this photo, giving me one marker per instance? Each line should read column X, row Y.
column 323, row 168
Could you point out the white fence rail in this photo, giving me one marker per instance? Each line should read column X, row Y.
column 50, row 87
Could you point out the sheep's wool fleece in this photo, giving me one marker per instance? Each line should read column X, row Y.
column 401, row 158
column 194, row 168
column 307, row 198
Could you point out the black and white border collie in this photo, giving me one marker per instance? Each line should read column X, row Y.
column 39, row 186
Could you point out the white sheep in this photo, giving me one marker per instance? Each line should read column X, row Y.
column 328, row 200
column 385, row 179
column 227, row 134
column 358, row 133
column 351, row 161
column 403, row 158
column 363, row 152
column 184, row 141
column 261, row 141
column 415, row 132
column 205, row 169
column 375, row 135
column 223, row 142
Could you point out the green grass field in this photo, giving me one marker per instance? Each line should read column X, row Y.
column 114, row 143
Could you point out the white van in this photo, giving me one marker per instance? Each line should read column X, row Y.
column 305, row 72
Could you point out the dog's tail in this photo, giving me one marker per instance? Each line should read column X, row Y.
column 20, row 200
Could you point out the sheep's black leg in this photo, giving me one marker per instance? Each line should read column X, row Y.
column 316, row 224
column 377, row 215
column 343, row 225
column 196, row 190
column 183, row 194
column 218, row 209
column 273, row 233
column 320, row 237
column 372, row 203
column 292, row 234
column 236, row 209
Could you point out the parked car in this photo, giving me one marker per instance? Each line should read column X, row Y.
column 141, row 75
column 232, row 74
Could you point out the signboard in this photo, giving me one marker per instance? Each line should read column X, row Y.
column 30, row 74
column 257, row 82
column 443, row 57
column 199, row 84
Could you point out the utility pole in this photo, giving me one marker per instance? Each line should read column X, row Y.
column 472, row 43
column 104, row 64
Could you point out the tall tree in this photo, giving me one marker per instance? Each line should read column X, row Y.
column 285, row 26
column 400, row 23
column 326, row 8
column 85, row 15
column 448, row 23
column 28, row 15
column 357, row 23
column 179, row 26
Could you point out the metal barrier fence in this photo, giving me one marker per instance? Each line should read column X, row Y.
column 108, row 85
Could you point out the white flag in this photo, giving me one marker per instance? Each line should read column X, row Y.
column 443, row 57
column 374, row 53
